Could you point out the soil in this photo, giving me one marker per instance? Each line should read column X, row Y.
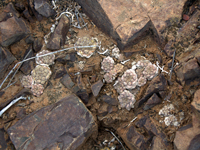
column 178, row 95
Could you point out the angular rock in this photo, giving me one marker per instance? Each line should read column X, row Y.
column 29, row 39
column 57, row 39
column 67, row 123
column 96, row 87
column 186, row 137
column 152, row 101
column 128, row 21
column 188, row 71
column 12, row 28
column 68, row 57
column 83, row 95
column 59, row 73
column 67, row 81
column 28, row 66
column 33, row 11
column 37, row 45
column 109, row 100
column 6, row 58
column 44, row 8
column 3, row 144
column 157, row 85
column 28, row 16
column 185, row 36
column 139, row 135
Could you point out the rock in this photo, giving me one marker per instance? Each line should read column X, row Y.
column 186, row 17
column 188, row 71
column 96, row 87
column 6, row 58
column 28, row 66
column 33, row 11
column 103, row 110
column 66, row 58
column 139, row 135
column 157, row 85
column 59, row 73
column 157, row 143
column 67, row 81
column 187, row 136
column 152, row 101
column 8, row 12
column 44, row 8
column 128, row 21
column 83, row 95
column 29, row 39
column 37, row 45
column 3, row 144
column 12, row 28
column 109, row 100
column 186, row 34
column 57, row 39
column 67, row 123
column 28, row 16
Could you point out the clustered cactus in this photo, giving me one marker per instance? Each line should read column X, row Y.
column 107, row 64
column 48, row 59
column 40, row 74
column 86, row 41
column 129, row 79
column 126, row 100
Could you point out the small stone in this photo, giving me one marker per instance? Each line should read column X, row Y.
column 6, row 58
column 152, row 101
column 96, row 87
column 57, row 38
column 186, row 17
column 29, row 39
column 37, row 45
column 44, row 8
column 109, row 100
column 67, row 81
column 37, row 89
column 83, row 95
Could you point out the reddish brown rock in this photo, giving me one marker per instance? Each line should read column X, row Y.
column 109, row 100
column 67, row 81
column 152, row 101
column 157, row 85
column 96, row 87
column 57, row 39
column 28, row 66
column 12, row 28
column 187, row 137
column 128, row 21
column 67, row 123
column 44, row 8
column 188, row 71
column 6, row 58
column 186, row 35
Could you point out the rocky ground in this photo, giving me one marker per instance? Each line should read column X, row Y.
column 108, row 80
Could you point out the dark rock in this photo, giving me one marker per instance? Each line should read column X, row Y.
column 6, row 58
column 96, row 87
column 186, row 34
column 8, row 12
column 129, row 21
column 66, row 58
column 44, row 8
column 33, row 11
column 28, row 16
column 157, row 85
column 28, row 66
column 37, row 45
column 188, row 71
column 67, row 123
column 152, row 101
column 109, row 100
column 12, row 30
column 83, row 95
column 59, row 73
column 157, row 144
column 29, row 39
column 20, row 6
column 187, row 136
column 67, row 81
column 3, row 144
column 57, row 39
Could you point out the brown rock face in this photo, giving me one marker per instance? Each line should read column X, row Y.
column 57, row 39
column 12, row 28
column 66, row 124
column 187, row 137
column 128, row 21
